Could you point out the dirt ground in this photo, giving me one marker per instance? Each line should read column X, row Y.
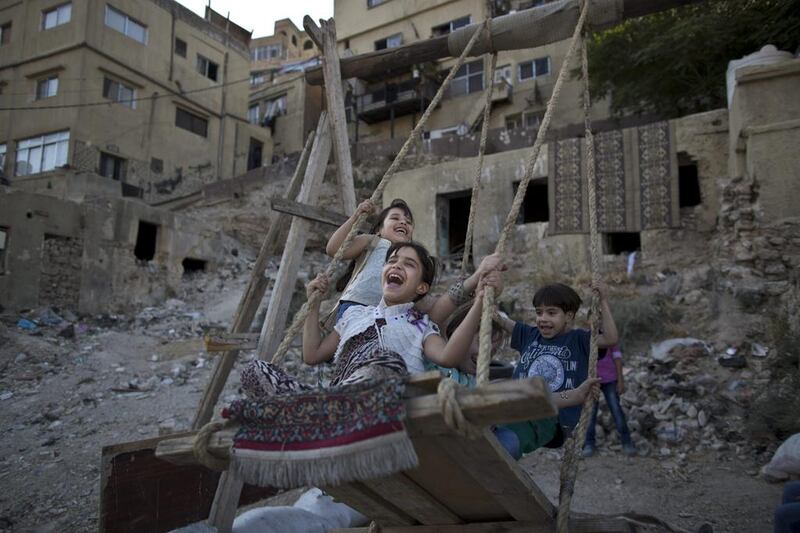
column 124, row 378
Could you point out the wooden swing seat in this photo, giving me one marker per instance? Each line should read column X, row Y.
column 461, row 484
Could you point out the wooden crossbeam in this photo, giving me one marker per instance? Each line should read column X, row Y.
column 558, row 18
column 223, row 341
column 308, row 212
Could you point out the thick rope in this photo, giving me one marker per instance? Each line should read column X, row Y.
column 476, row 182
column 485, row 353
column 451, row 410
column 200, row 446
column 300, row 317
column 569, row 465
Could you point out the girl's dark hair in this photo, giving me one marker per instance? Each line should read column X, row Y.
column 396, row 203
column 558, row 295
column 427, row 261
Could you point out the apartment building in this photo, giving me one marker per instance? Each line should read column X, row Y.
column 389, row 107
column 134, row 97
column 280, row 99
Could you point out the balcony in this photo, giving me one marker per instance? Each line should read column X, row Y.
column 394, row 100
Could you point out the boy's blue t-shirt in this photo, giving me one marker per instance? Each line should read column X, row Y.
column 562, row 361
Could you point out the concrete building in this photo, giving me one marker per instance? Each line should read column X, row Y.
column 280, row 99
column 143, row 93
column 387, row 108
column 712, row 195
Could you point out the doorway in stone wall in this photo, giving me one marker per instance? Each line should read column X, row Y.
column 452, row 213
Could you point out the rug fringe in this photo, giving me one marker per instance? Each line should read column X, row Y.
column 287, row 470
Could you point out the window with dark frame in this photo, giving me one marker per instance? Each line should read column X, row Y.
column 533, row 69
column 191, row 122
column 207, row 68
column 448, row 27
column 393, row 41
column 535, row 205
column 308, row 45
column 119, row 92
column 56, row 16
column 5, row 33
column 468, row 79
column 180, row 47
column 112, row 166
column 46, row 87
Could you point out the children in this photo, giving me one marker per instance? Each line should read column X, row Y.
column 373, row 342
column 557, row 352
column 609, row 370
column 395, row 225
column 535, row 433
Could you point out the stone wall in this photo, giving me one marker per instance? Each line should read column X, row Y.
column 60, row 280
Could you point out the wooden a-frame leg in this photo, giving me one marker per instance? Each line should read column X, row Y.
column 226, row 501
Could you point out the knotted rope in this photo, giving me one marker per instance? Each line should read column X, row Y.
column 569, row 465
column 451, row 410
column 316, row 296
column 200, row 446
column 484, row 355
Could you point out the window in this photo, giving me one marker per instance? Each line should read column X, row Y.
column 112, row 166
column 46, row 87
column 191, row 122
column 468, row 79
column 533, row 69
column 308, row 45
column 620, row 243
column 373, row 3
column 207, row 68
column 275, row 108
column 56, row 16
column 2, row 159
column 513, row 121
column 270, row 51
column 180, row 47
column 5, row 33
column 688, row 183
column 257, row 78
column 502, row 74
column 3, row 246
column 252, row 114
column 392, row 41
column 146, row 241
column 43, row 153
column 532, row 119
column 535, row 207
column 119, row 92
column 121, row 22
column 453, row 25
column 294, row 40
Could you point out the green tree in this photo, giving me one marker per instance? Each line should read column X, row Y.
column 673, row 63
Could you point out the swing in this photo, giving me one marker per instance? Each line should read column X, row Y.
column 465, row 480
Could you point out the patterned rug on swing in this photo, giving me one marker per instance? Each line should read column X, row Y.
column 323, row 436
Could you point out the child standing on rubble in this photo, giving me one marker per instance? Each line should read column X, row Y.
column 362, row 285
column 559, row 353
column 609, row 370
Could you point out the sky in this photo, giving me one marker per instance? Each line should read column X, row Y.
column 260, row 15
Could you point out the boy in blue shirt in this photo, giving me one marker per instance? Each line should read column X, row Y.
column 556, row 351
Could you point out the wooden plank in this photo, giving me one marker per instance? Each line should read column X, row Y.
column 366, row 502
column 484, row 527
column 139, row 492
column 223, row 341
column 559, row 19
column 456, row 489
column 308, row 212
column 251, row 298
column 178, row 449
column 226, row 500
column 418, row 503
column 499, row 474
column 278, row 309
column 334, row 97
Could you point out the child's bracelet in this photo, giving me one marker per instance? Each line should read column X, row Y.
column 458, row 294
